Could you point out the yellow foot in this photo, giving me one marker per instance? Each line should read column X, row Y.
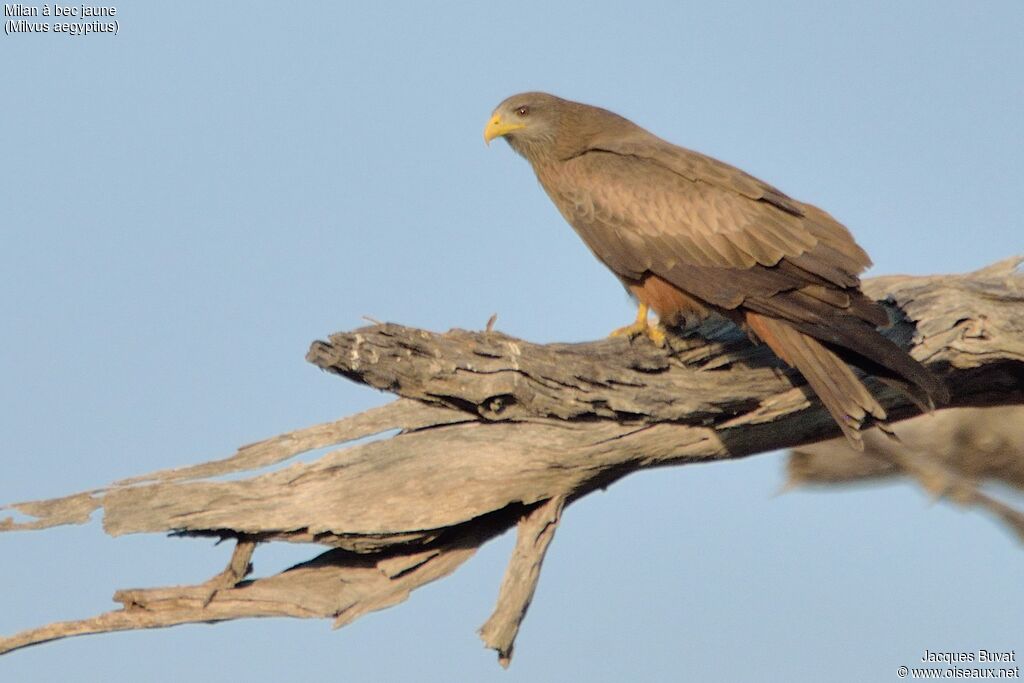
column 642, row 326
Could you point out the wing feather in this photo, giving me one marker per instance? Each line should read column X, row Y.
column 704, row 226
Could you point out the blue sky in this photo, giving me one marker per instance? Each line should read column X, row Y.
column 189, row 203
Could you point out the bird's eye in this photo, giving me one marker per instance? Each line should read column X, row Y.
column 523, row 111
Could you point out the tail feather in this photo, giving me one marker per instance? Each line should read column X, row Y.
column 884, row 358
column 874, row 352
column 844, row 396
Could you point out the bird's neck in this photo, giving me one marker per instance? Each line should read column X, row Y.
column 579, row 128
column 536, row 151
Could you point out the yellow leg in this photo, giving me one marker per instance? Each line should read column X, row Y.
column 642, row 326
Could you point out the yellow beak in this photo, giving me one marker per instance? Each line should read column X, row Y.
column 495, row 128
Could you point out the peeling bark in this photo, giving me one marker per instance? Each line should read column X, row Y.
column 493, row 431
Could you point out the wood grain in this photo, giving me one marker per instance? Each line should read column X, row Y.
column 491, row 431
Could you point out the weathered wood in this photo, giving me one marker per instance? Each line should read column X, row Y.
column 950, row 454
column 534, row 536
column 492, row 430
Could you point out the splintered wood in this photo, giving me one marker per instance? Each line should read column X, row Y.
column 490, row 432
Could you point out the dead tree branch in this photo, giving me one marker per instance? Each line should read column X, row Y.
column 951, row 455
column 493, row 431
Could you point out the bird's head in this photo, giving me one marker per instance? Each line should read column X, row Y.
column 544, row 128
column 530, row 122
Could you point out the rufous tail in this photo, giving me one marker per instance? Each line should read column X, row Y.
column 840, row 391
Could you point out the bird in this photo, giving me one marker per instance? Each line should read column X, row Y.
column 690, row 236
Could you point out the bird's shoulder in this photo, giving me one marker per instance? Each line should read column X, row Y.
column 640, row 147
column 643, row 204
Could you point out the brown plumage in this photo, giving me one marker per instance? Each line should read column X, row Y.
column 687, row 235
